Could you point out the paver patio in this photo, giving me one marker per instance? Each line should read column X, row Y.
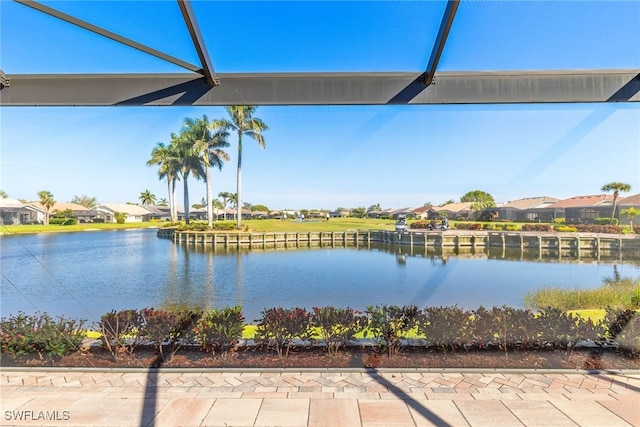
column 76, row 397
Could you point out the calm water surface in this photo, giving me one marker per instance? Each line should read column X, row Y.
column 83, row 275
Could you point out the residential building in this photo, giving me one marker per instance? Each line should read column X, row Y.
column 135, row 213
column 14, row 212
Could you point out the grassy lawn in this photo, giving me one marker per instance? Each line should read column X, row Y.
column 26, row 229
column 334, row 224
column 255, row 225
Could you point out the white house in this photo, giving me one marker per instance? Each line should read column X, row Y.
column 134, row 213
column 14, row 212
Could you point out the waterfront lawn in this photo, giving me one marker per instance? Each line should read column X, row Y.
column 334, row 224
column 255, row 225
column 55, row 228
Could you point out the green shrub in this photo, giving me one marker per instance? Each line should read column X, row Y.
column 120, row 217
column 623, row 326
column 626, row 229
column 62, row 221
column 537, row 227
column 226, row 226
column 336, row 326
column 421, row 224
column 594, row 228
column 279, row 327
column 565, row 228
column 194, row 226
column 504, row 327
column 469, row 226
column 559, row 221
column 605, row 221
column 170, row 329
column 171, row 224
column 116, row 327
column 41, row 334
column 390, row 324
column 511, row 227
column 558, row 329
column 489, row 226
column 220, row 329
column 445, row 327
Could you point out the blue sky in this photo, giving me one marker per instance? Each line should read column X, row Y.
column 328, row 157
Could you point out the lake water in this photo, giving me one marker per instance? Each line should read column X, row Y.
column 84, row 275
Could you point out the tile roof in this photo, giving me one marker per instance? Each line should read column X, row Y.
column 454, row 207
column 531, row 202
column 633, row 200
column 124, row 207
column 585, row 201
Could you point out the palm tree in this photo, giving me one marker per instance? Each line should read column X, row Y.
column 210, row 148
column 226, row 198
column 147, row 198
column 189, row 160
column 243, row 123
column 47, row 201
column 166, row 156
column 233, row 199
column 617, row 187
column 3, row 194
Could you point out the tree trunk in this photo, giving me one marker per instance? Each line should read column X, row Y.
column 186, row 199
column 613, row 213
column 209, row 195
column 170, row 199
column 239, row 184
column 174, row 208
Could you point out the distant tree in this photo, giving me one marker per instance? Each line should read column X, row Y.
column 226, row 198
column 234, row 200
column 375, row 207
column 162, row 202
column 84, row 200
column 3, row 194
column 147, row 198
column 47, row 201
column 209, row 143
column 617, row 187
column 202, row 204
column 304, row 212
column 243, row 123
column 120, row 217
column 631, row 214
column 448, row 202
column 359, row 212
column 189, row 160
column 67, row 213
column 248, row 206
column 480, row 199
column 167, row 158
column 427, row 205
column 259, row 208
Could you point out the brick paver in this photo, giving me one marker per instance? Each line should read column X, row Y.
column 318, row 398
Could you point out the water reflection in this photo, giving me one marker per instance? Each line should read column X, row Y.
column 117, row 270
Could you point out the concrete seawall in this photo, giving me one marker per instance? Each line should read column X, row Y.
column 449, row 238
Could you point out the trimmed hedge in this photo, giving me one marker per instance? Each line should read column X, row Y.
column 219, row 330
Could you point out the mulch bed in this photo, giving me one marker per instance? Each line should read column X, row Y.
column 357, row 357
